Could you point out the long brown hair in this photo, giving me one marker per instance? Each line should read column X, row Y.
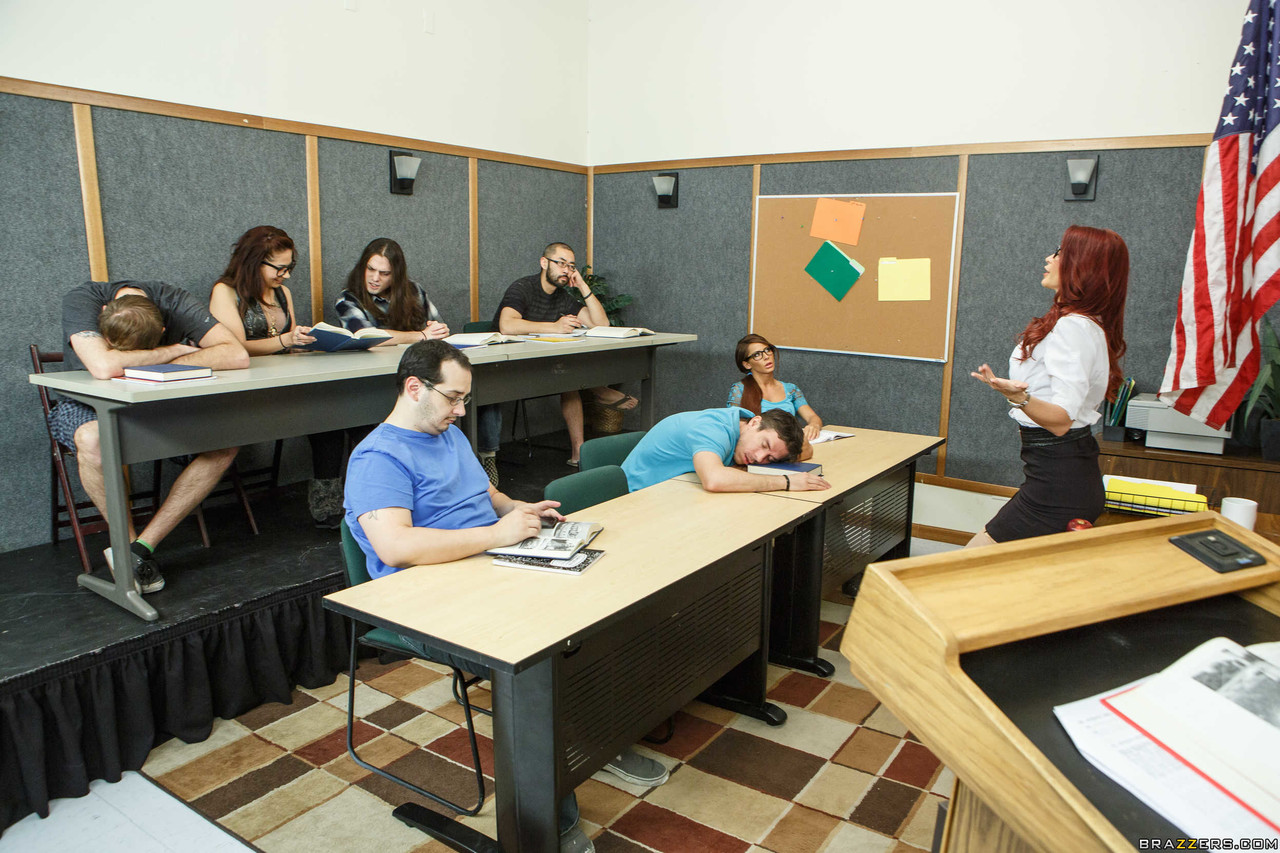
column 1093, row 276
column 407, row 313
column 750, row 387
column 244, row 271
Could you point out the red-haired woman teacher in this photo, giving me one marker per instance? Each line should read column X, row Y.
column 1063, row 366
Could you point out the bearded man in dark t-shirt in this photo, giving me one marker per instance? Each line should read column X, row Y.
column 108, row 326
column 543, row 304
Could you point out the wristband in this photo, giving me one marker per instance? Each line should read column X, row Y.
column 788, row 479
column 1019, row 405
column 283, row 348
column 423, row 332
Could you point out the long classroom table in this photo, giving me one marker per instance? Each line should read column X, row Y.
column 583, row 666
column 303, row 393
column 865, row 516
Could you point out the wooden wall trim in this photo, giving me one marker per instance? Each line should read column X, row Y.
column 751, row 247
column 941, row 534
column 944, row 416
column 966, row 485
column 48, row 91
column 315, row 256
column 1184, row 140
column 29, row 88
column 90, row 198
column 473, row 227
column 591, row 216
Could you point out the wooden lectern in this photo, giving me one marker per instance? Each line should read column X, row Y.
column 971, row 650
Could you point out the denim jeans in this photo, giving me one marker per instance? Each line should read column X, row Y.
column 489, row 428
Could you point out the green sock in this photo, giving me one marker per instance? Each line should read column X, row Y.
column 150, row 550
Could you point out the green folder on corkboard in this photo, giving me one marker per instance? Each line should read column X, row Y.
column 834, row 270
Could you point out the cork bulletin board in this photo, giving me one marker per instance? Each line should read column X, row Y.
column 862, row 274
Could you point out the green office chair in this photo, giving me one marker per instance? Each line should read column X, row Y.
column 608, row 450
column 587, row 488
column 438, row 826
column 478, row 326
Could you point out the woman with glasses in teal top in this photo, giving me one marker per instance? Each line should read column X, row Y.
column 761, row 389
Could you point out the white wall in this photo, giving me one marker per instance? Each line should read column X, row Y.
column 504, row 75
column 708, row 78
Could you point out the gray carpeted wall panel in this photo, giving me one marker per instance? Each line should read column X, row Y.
column 177, row 194
column 687, row 269
column 522, row 209
column 1015, row 216
column 356, row 206
column 42, row 253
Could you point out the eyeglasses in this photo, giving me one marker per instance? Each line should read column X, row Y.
column 760, row 354
column 568, row 265
column 1056, row 252
column 285, row 270
column 454, row 401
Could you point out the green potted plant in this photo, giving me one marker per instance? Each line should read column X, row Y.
column 1265, row 393
column 613, row 302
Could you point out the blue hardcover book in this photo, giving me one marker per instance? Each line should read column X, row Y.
column 333, row 339
column 786, row 468
column 167, row 372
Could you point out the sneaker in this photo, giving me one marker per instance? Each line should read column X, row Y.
column 490, row 464
column 146, row 572
column 631, row 766
column 576, row 841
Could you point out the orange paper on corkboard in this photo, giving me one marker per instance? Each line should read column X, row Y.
column 838, row 221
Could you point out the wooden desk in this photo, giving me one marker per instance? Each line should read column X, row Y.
column 915, row 618
column 299, row 394
column 1236, row 474
column 583, row 666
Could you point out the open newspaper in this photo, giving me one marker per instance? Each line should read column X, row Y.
column 1199, row 742
column 558, row 540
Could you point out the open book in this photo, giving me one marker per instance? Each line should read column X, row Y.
column 618, row 331
column 333, row 339
column 480, row 339
column 558, row 540
column 1196, row 742
column 575, row 565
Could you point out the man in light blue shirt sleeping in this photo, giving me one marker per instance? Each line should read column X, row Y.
column 712, row 442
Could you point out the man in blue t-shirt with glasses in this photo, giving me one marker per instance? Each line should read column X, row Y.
column 416, row 495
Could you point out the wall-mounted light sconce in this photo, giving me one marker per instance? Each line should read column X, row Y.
column 1082, row 178
column 404, row 169
column 667, row 185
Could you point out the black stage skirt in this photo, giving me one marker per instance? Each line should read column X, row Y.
column 1061, row 482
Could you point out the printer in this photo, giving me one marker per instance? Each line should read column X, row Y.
column 1171, row 429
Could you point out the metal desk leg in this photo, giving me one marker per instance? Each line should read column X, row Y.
column 797, row 599
column 648, row 389
column 903, row 548
column 122, row 592
column 472, row 426
column 525, row 759
column 743, row 688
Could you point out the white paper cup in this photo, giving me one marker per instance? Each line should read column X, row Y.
column 1242, row 511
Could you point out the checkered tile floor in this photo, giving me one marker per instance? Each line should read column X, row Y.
column 841, row 775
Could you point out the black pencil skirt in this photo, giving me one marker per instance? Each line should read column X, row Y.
column 1061, row 482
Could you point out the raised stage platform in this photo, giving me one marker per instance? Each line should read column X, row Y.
column 87, row 689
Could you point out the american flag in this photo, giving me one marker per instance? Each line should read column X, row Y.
column 1232, row 274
